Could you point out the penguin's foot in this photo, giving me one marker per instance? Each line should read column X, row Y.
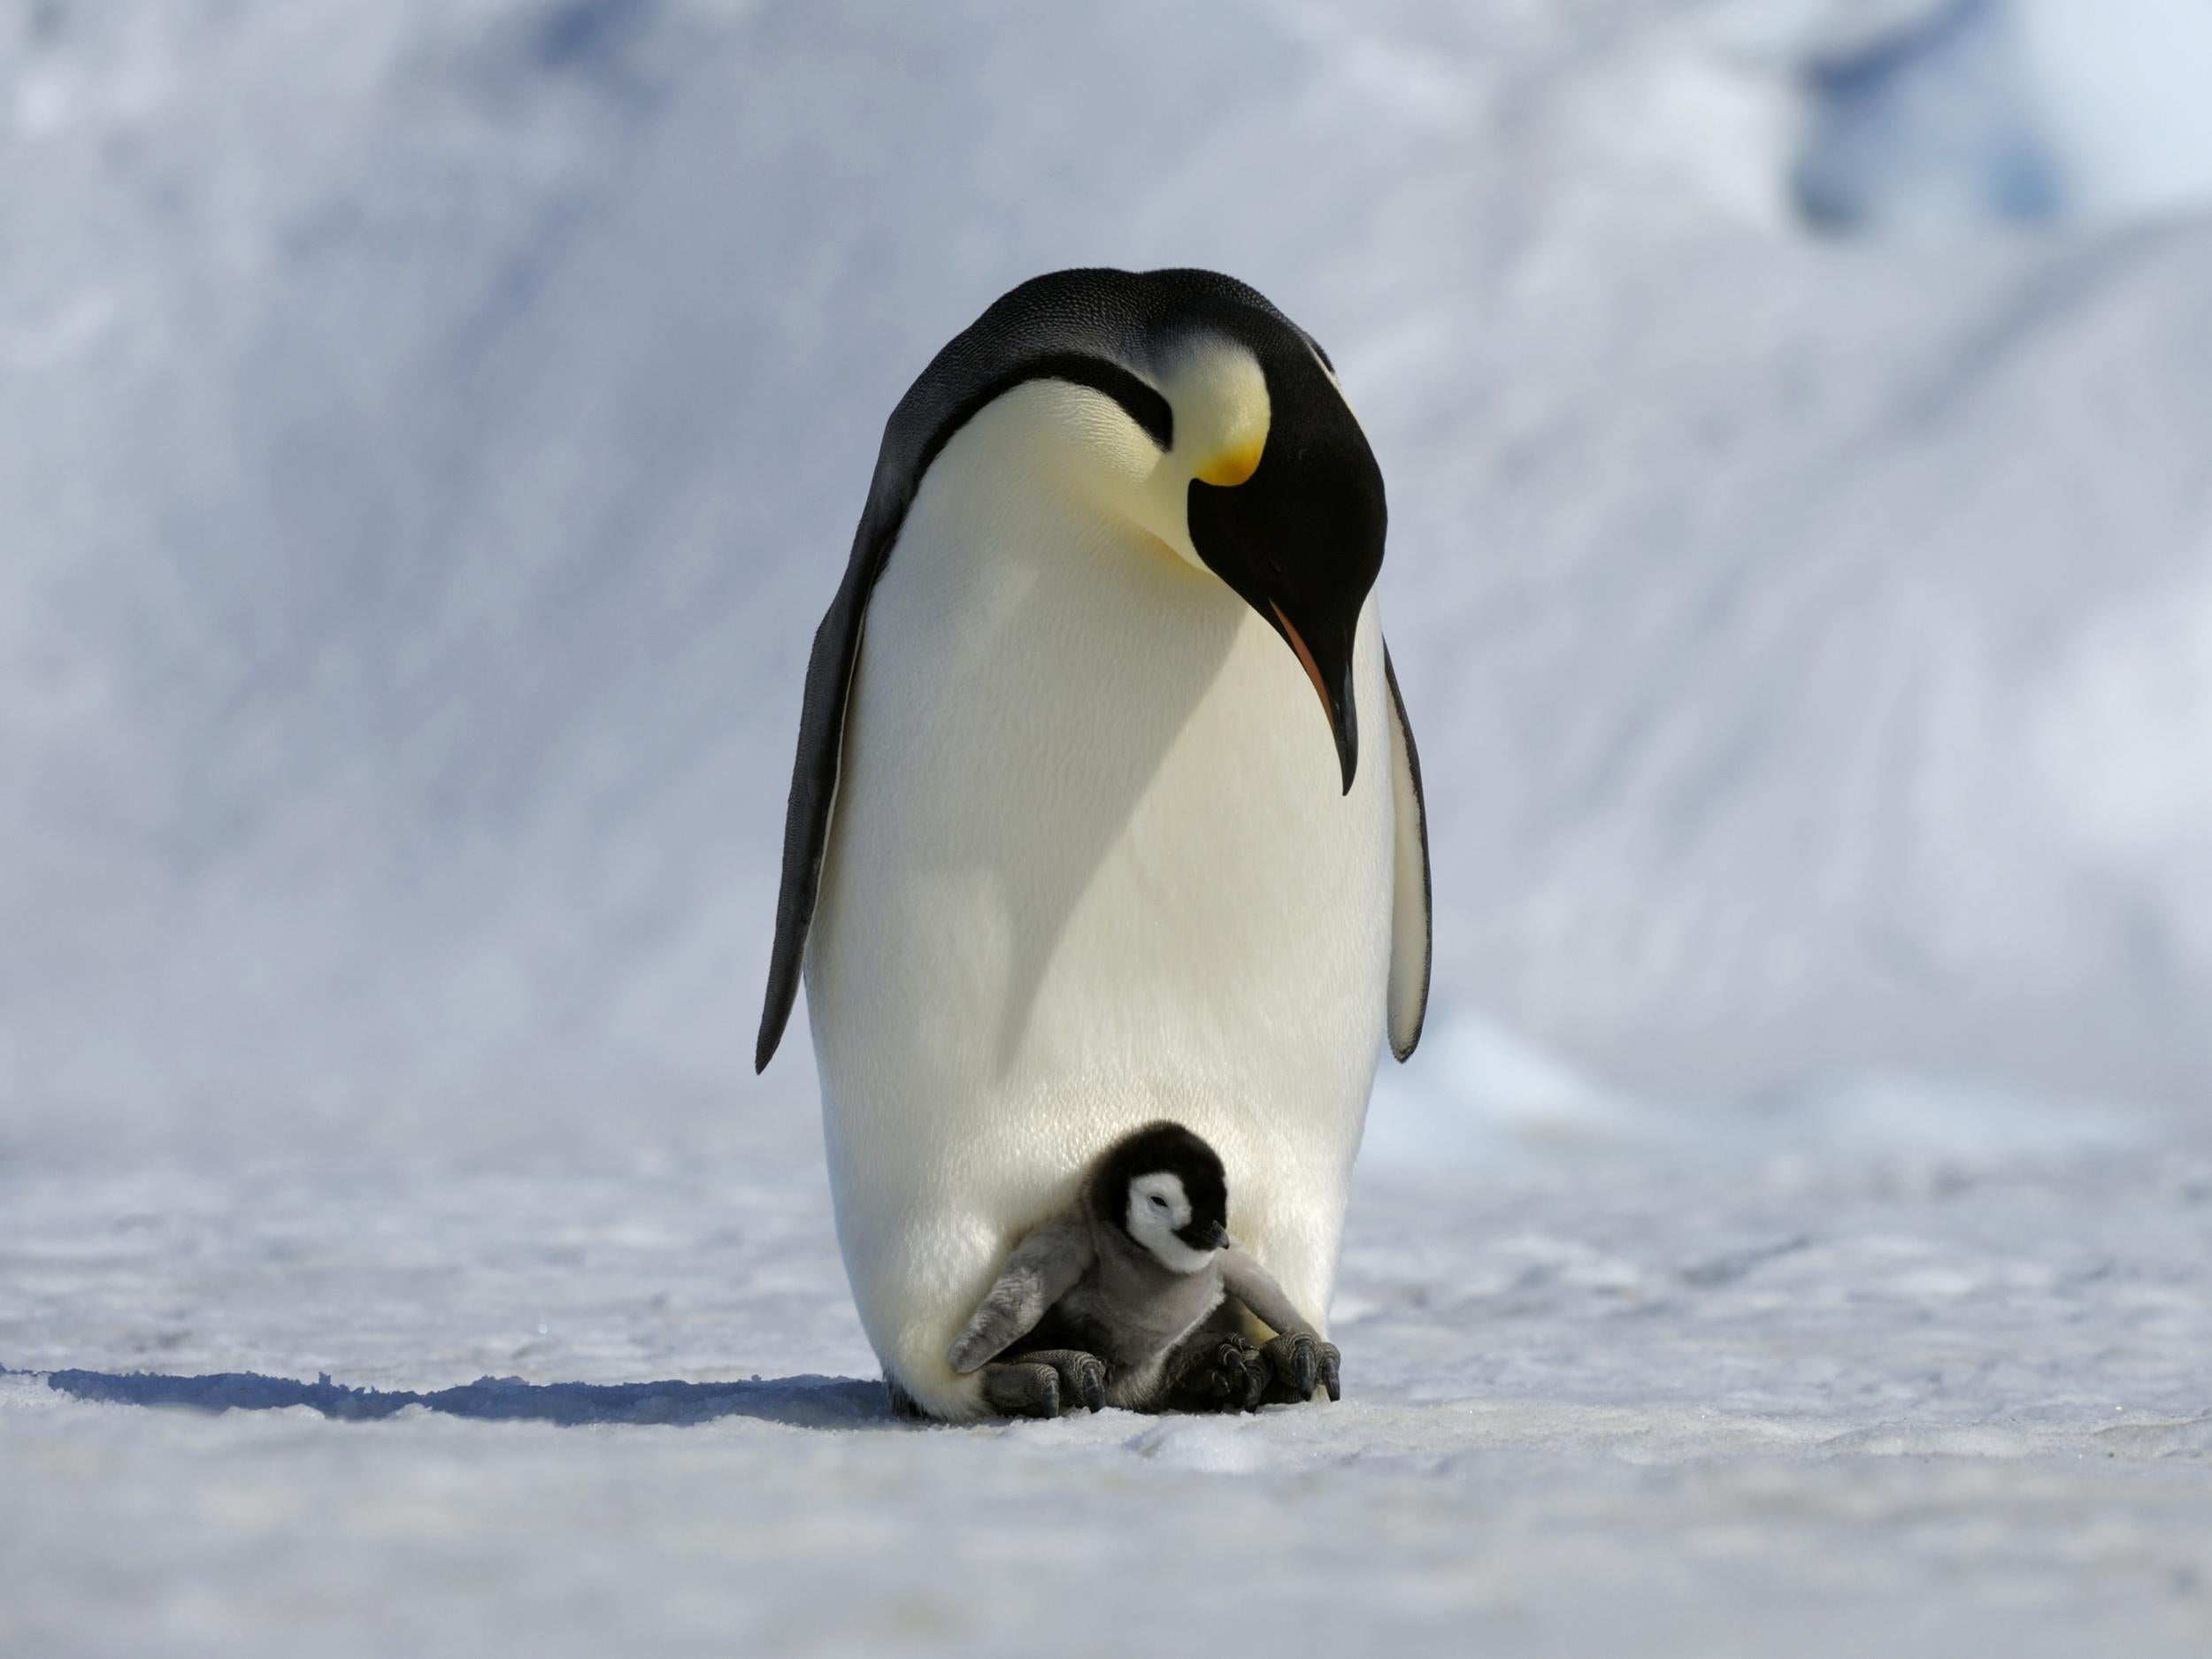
column 1082, row 1376
column 1299, row 1364
column 1045, row 1383
column 1021, row 1388
column 1219, row 1372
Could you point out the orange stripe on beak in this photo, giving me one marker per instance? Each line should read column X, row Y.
column 1313, row 669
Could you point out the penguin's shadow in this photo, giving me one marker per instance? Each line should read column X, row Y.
column 815, row 1402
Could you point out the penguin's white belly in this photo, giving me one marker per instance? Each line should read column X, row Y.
column 1088, row 866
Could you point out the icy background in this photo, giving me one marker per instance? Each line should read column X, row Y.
column 429, row 430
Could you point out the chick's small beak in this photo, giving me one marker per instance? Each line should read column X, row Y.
column 1333, row 684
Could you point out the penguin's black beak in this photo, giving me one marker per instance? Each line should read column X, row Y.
column 1301, row 539
column 1204, row 1235
column 1330, row 669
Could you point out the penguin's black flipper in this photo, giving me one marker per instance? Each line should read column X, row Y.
column 1412, row 910
column 1043, row 1268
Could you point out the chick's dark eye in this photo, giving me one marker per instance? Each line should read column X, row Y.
column 1158, row 1203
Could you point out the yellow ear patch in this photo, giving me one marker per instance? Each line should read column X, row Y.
column 1233, row 465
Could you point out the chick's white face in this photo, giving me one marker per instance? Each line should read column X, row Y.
column 1158, row 1207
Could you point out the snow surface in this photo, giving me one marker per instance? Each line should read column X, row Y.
column 428, row 429
column 1717, row 1400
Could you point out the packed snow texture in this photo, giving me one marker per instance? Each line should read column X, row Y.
column 1739, row 1402
column 428, row 432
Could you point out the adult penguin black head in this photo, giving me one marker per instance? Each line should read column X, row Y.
column 1191, row 406
column 1233, row 446
column 1296, row 528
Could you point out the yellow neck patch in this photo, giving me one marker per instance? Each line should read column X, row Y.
column 1233, row 465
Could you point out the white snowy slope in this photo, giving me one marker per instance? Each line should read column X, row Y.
column 429, row 430
column 1928, row 112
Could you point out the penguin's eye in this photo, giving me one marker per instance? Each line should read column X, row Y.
column 1158, row 1203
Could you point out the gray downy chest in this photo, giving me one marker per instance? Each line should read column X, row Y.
column 1133, row 1313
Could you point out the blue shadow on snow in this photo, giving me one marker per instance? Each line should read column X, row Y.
column 813, row 1403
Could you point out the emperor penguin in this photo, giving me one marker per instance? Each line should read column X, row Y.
column 1079, row 835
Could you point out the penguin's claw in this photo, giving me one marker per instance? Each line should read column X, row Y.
column 1299, row 1364
column 1294, row 1364
column 1082, row 1376
column 1022, row 1388
column 1088, row 1375
column 1224, row 1375
column 1046, row 1383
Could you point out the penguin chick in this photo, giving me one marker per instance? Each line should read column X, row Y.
column 1133, row 1299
